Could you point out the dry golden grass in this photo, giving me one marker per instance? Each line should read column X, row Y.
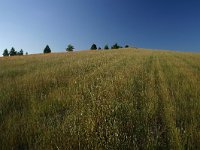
column 112, row 99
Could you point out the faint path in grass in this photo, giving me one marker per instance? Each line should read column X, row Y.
column 184, row 86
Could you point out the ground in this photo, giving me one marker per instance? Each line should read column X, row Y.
column 108, row 99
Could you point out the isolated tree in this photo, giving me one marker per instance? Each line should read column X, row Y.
column 70, row 48
column 47, row 49
column 12, row 52
column 93, row 47
column 106, row 47
column 26, row 53
column 99, row 48
column 21, row 52
column 5, row 53
column 126, row 46
column 115, row 46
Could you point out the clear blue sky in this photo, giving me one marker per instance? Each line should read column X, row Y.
column 158, row 24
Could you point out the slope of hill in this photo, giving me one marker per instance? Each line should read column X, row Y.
column 115, row 99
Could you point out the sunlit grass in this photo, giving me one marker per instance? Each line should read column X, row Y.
column 112, row 99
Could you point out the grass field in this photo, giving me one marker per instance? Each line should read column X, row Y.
column 114, row 99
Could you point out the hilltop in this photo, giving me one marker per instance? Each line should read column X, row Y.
column 108, row 99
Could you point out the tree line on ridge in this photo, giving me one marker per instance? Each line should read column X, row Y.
column 70, row 48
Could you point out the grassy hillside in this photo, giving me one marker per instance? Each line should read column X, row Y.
column 116, row 99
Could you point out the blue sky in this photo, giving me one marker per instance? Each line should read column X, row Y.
column 157, row 24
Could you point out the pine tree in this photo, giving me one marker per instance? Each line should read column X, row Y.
column 12, row 52
column 93, row 47
column 106, row 47
column 5, row 53
column 47, row 49
column 21, row 52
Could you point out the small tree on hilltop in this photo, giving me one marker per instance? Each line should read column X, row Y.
column 47, row 49
column 106, row 47
column 93, row 47
column 99, row 48
column 12, row 52
column 21, row 52
column 70, row 48
column 115, row 46
column 126, row 46
column 5, row 53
